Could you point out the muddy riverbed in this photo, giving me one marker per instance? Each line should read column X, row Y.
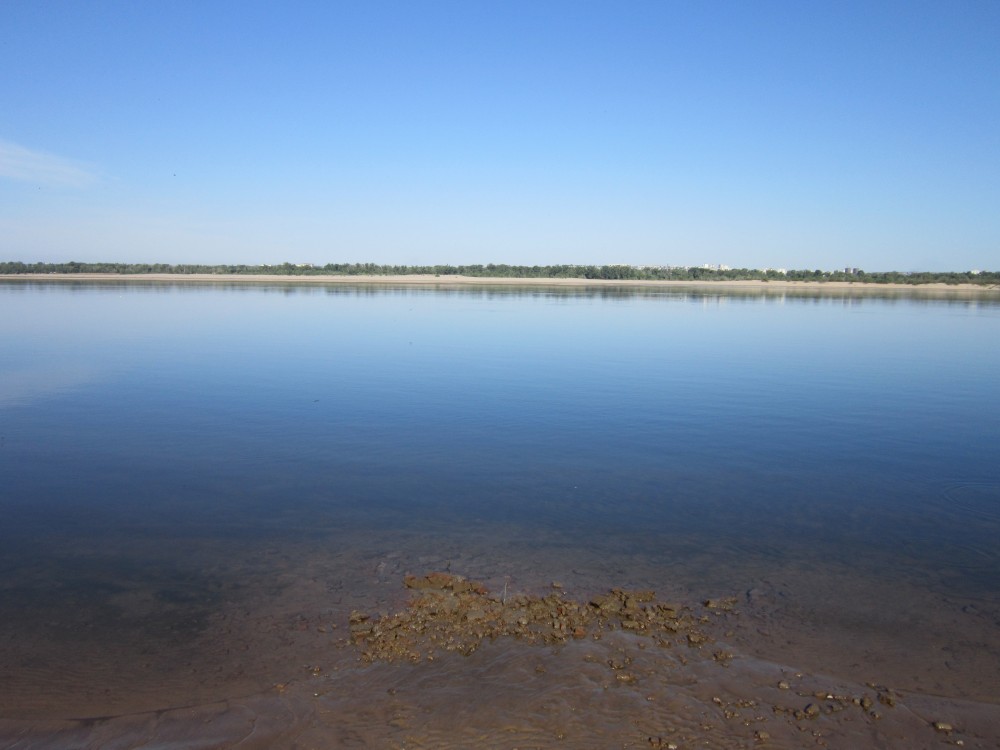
column 406, row 651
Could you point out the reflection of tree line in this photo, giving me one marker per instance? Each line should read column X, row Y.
column 845, row 296
column 504, row 271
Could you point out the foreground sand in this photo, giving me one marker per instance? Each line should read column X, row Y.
column 632, row 673
column 344, row 655
column 429, row 280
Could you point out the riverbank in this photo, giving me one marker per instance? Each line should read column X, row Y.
column 455, row 280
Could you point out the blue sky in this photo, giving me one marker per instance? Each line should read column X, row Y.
column 762, row 134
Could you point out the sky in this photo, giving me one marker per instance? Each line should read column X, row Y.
column 752, row 134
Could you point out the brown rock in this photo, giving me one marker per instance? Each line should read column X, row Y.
column 724, row 605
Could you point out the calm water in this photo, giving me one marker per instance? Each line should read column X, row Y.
column 168, row 451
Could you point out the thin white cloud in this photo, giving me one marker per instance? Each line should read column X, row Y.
column 26, row 165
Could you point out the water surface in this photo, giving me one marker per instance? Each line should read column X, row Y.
column 190, row 472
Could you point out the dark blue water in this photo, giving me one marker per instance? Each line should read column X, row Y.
column 182, row 404
column 139, row 423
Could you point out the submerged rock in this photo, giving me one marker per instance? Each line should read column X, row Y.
column 443, row 582
column 451, row 613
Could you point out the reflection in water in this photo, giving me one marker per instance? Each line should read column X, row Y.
column 986, row 298
column 22, row 386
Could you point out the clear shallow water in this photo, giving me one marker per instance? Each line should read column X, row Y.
column 173, row 454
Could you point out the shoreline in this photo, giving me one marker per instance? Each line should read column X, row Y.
column 681, row 676
column 456, row 280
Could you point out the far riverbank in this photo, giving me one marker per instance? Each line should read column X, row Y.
column 456, row 280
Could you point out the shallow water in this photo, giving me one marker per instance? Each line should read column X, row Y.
column 200, row 483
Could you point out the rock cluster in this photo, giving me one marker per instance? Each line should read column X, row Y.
column 832, row 703
column 451, row 613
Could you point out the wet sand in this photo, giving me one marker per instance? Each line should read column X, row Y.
column 505, row 696
column 450, row 280
column 273, row 663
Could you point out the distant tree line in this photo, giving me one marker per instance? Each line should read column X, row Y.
column 502, row 270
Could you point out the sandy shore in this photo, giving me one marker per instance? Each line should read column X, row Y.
column 429, row 280
column 621, row 669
